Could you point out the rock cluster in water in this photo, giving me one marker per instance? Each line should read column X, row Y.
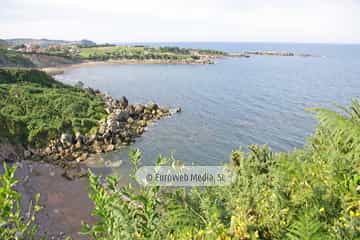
column 271, row 53
column 123, row 124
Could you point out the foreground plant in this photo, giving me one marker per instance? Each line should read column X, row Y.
column 311, row 193
column 14, row 224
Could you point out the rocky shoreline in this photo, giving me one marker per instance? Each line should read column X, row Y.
column 124, row 123
column 277, row 53
column 60, row 69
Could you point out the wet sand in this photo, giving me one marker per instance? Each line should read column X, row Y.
column 65, row 203
column 61, row 68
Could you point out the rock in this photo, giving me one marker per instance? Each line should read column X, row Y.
column 123, row 102
column 142, row 123
column 97, row 147
column 130, row 120
column 74, row 173
column 9, row 153
column 82, row 157
column 139, row 109
column 27, row 154
column 92, row 139
column 108, row 110
column 130, row 109
column 147, row 117
column 165, row 110
column 47, row 151
column 79, row 137
column 152, row 106
column 90, row 90
column 147, row 111
column 140, row 130
column 113, row 164
column 175, row 110
column 102, row 129
column 78, row 145
column 66, row 139
column 69, row 157
column 110, row 148
column 122, row 116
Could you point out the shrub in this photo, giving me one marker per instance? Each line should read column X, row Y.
column 15, row 224
column 35, row 108
column 311, row 193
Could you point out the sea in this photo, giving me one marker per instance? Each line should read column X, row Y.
column 231, row 104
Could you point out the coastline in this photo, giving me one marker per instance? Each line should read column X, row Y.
column 62, row 68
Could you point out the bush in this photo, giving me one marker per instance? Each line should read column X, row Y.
column 311, row 193
column 13, row 223
column 35, row 108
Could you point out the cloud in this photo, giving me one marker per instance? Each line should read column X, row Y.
column 183, row 20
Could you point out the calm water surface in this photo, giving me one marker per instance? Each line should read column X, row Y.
column 235, row 102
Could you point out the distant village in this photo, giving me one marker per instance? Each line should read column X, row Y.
column 36, row 48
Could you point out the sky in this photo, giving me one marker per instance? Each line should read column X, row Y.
column 317, row 21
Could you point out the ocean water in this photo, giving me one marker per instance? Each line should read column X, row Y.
column 233, row 103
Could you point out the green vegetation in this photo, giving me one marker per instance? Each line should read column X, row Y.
column 137, row 53
column 25, row 56
column 35, row 108
column 312, row 193
column 15, row 224
column 13, row 59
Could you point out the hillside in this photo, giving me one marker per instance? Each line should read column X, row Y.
column 3, row 43
column 35, row 108
column 14, row 59
column 47, row 42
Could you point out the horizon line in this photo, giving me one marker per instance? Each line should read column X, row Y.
column 187, row 41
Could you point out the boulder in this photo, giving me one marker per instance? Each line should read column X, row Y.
column 139, row 109
column 165, row 110
column 27, row 154
column 74, row 173
column 142, row 123
column 122, row 116
column 123, row 102
column 152, row 106
column 130, row 109
column 92, row 139
column 79, row 137
column 110, row 148
column 102, row 129
column 140, row 130
column 130, row 120
column 82, row 157
column 66, row 139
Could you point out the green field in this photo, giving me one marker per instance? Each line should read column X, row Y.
column 138, row 53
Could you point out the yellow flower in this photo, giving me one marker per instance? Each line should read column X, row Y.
column 354, row 214
column 322, row 210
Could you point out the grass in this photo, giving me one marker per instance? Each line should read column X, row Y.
column 124, row 52
column 35, row 108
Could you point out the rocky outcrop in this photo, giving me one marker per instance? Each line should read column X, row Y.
column 270, row 53
column 124, row 123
